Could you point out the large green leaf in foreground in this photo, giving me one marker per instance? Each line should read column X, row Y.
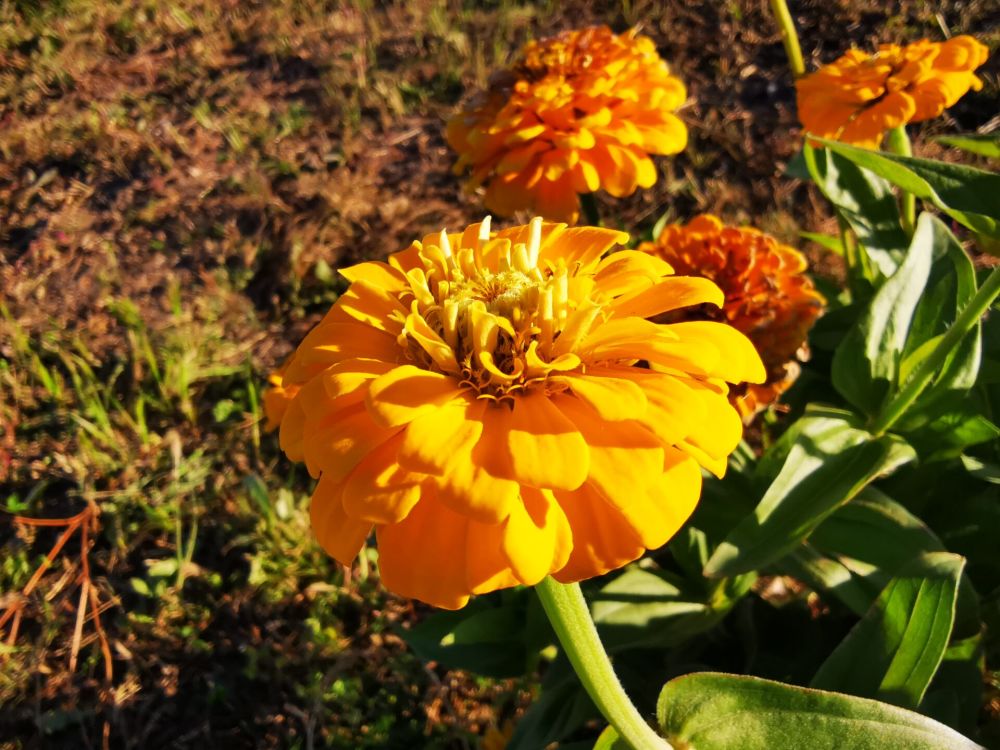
column 711, row 711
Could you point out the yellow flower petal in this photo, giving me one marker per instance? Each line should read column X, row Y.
column 330, row 343
column 614, row 399
column 740, row 363
column 625, row 459
column 435, row 438
column 602, row 539
column 537, row 539
column 479, row 481
column 545, row 449
column 337, row 445
column 340, row 536
column 437, row 574
column 377, row 274
column 378, row 489
column 669, row 294
column 629, row 271
column 404, row 393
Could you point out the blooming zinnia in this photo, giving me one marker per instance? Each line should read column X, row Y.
column 576, row 113
column 768, row 296
column 498, row 408
column 858, row 97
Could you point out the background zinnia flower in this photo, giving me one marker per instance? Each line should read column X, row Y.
column 576, row 113
column 768, row 296
column 858, row 97
column 499, row 409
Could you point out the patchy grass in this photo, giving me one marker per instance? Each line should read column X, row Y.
column 178, row 183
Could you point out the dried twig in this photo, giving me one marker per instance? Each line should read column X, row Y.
column 86, row 523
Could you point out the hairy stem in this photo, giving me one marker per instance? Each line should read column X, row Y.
column 567, row 611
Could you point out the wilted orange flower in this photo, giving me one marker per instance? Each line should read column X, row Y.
column 857, row 98
column 576, row 113
column 498, row 407
column 768, row 296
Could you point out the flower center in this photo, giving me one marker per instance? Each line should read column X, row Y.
column 502, row 293
column 489, row 315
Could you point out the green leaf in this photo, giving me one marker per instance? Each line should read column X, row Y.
column 966, row 194
column 223, row 409
column 657, row 229
column 866, row 364
column 828, row 241
column 796, row 167
column 967, row 524
column 609, row 740
column 711, row 711
column 956, row 694
column 874, row 538
column 642, row 608
column 162, row 568
column 494, row 636
column 829, row 463
column 826, row 573
column 561, row 709
column 690, row 550
column 946, row 435
column 984, row 470
column 876, row 530
column 257, row 490
column 986, row 144
column 893, row 653
column 866, row 201
column 950, row 287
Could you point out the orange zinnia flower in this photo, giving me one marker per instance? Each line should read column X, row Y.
column 499, row 409
column 857, row 98
column 577, row 112
column 768, row 296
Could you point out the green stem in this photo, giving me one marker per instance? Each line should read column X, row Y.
column 588, row 203
column 899, row 143
column 789, row 37
column 850, row 245
column 856, row 260
column 925, row 371
column 567, row 611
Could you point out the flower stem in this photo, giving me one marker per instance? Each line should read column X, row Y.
column 588, row 203
column 567, row 611
column 924, row 373
column 899, row 143
column 852, row 254
column 789, row 37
